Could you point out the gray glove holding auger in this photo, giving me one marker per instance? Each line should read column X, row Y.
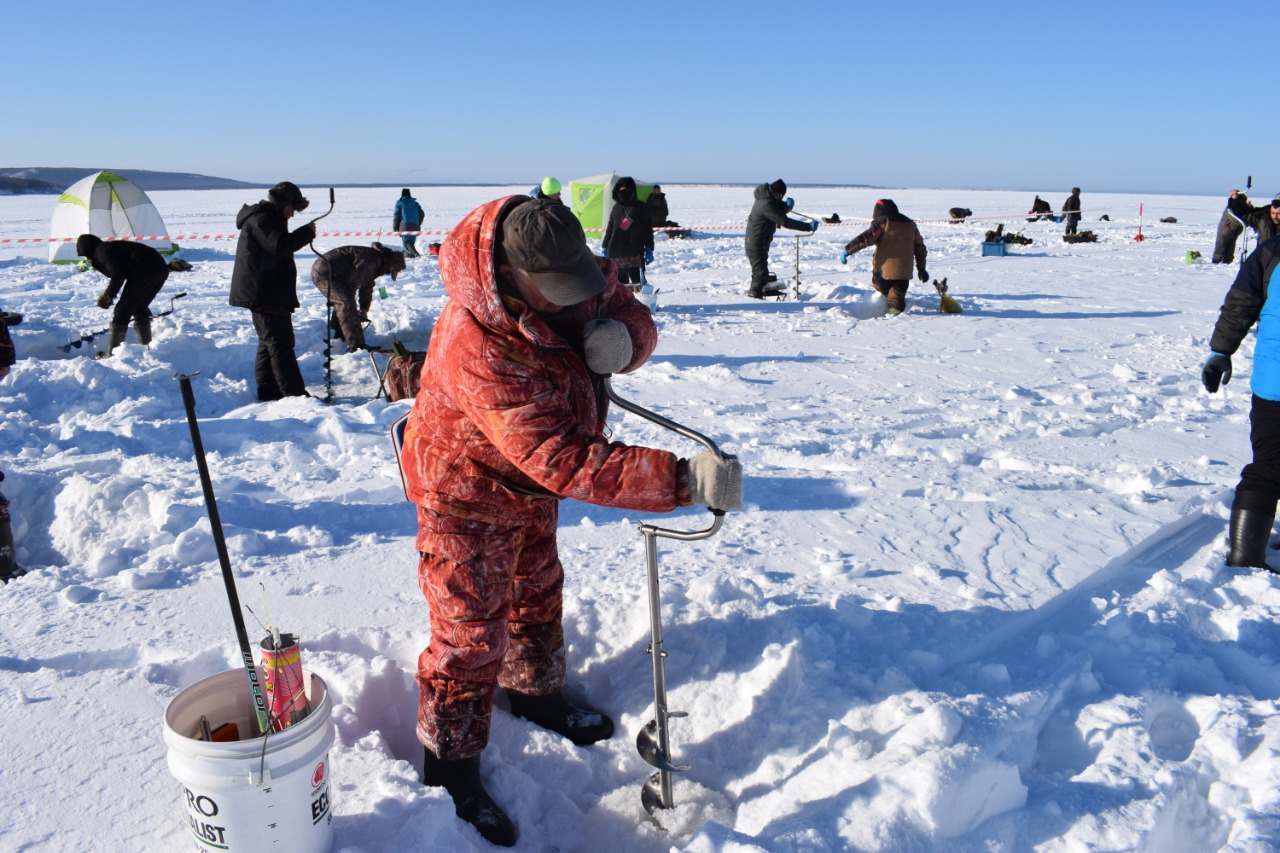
column 715, row 482
column 606, row 346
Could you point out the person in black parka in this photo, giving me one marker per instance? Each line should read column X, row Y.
column 9, row 568
column 140, row 271
column 1229, row 230
column 264, row 279
column 628, row 238
column 768, row 214
column 1071, row 211
column 1265, row 220
column 658, row 210
column 345, row 276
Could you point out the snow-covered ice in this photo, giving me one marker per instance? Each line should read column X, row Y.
column 975, row 600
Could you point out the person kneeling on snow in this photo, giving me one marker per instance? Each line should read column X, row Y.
column 345, row 276
column 509, row 420
column 898, row 242
column 137, row 269
column 1253, row 509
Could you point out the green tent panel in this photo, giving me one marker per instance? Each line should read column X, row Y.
column 106, row 205
column 591, row 200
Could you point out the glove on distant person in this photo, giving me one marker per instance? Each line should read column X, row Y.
column 648, row 256
column 789, row 202
column 105, row 300
column 715, row 482
column 1216, row 371
column 813, row 226
column 924, row 275
column 606, row 345
column 844, row 257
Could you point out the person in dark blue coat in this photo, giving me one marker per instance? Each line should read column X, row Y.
column 264, row 279
column 408, row 217
column 1249, row 301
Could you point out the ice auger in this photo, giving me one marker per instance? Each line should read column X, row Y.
column 654, row 740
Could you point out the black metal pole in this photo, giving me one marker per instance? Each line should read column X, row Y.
column 242, row 636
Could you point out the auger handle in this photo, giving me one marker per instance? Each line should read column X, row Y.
column 635, row 409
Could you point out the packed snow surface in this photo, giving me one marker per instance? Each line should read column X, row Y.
column 975, row 600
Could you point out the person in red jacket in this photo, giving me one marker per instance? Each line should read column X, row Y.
column 510, row 419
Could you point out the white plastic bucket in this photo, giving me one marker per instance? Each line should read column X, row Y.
column 246, row 795
column 648, row 296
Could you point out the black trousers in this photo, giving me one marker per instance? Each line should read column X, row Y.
column 758, row 257
column 135, row 299
column 276, row 366
column 1259, row 487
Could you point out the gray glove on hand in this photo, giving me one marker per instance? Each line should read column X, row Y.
column 606, row 345
column 715, row 482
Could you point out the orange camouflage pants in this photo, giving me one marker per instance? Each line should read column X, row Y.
column 494, row 591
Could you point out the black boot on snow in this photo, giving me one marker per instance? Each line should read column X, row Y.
column 583, row 726
column 115, row 337
column 142, row 325
column 1248, row 536
column 471, row 802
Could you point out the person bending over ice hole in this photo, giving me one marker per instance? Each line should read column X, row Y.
column 1253, row 509
column 345, row 276
column 897, row 241
column 137, row 269
column 509, row 420
column 768, row 214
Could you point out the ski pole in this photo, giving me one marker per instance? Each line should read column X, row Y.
column 215, row 524
column 654, row 740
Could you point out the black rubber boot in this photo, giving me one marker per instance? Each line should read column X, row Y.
column 115, row 337
column 8, row 555
column 142, row 325
column 583, row 726
column 1248, row 536
column 471, row 802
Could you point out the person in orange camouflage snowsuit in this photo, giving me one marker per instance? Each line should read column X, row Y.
column 510, row 419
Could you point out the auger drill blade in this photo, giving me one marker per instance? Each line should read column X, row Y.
column 651, row 794
column 651, row 751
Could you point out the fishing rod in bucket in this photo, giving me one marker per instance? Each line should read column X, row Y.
column 215, row 524
column 654, row 740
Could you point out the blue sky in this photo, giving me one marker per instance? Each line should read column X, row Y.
column 1109, row 96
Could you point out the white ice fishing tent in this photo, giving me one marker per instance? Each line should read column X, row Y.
column 105, row 205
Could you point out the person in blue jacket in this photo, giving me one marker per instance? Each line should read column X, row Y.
column 1253, row 510
column 408, row 217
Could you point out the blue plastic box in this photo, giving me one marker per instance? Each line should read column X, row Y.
column 996, row 249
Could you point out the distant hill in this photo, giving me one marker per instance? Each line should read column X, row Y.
column 55, row 179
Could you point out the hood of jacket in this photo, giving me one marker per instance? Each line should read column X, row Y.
column 887, row 210
column 763, row 192
column 469, row 263
column 264, row 206
column 624, row 191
